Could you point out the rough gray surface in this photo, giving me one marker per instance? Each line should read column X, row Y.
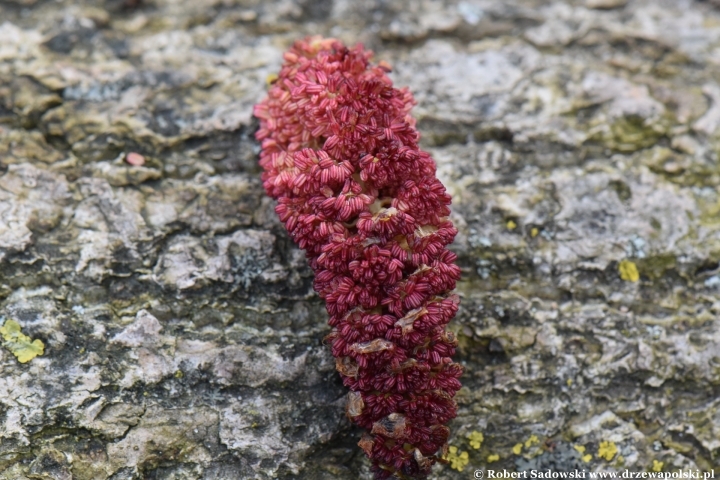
column 182, row 336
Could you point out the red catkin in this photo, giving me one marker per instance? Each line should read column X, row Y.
column 340, row 154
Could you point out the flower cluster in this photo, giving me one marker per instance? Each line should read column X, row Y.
column 340, row 154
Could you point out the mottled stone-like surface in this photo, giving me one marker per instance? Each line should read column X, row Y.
column 182, row 336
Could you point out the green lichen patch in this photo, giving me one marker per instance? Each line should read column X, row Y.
column 632, row 133
column 657, row 266
column 20, row 344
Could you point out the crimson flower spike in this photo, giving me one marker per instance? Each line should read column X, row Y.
column 340, row 154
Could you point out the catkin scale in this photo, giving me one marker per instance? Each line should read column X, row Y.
column 340, row 154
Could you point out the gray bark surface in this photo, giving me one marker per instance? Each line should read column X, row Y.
column 579, row 139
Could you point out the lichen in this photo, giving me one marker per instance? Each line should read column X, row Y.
column 20, row 344
column 532, row 440
column 607, row 450
column 628, row 271
column 475, row 439
column 458, row 460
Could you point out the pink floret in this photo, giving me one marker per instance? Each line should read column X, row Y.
column 340, row 154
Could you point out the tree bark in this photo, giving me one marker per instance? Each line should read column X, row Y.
column 182, row 338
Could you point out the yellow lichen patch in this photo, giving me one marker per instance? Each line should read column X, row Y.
column 270, row 79
column 533, row 440
column 457, row 460
column 657, row 466
column 569, row 382
column 511, row 225
column 628, row 271
column 19, row 344
column 494, row 457
column 607, row 450
column 476, row 438
column 534, row 232
column 581, row 449
column 517, row 448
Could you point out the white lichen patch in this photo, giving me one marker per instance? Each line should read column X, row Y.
column 31, row 199
column 237, row 258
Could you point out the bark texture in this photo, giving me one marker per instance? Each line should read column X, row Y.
column 580, row 143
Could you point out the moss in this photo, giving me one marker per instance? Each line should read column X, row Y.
column 621, row 189
column 632, row 133
column 680, row 168
column 656, row 267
